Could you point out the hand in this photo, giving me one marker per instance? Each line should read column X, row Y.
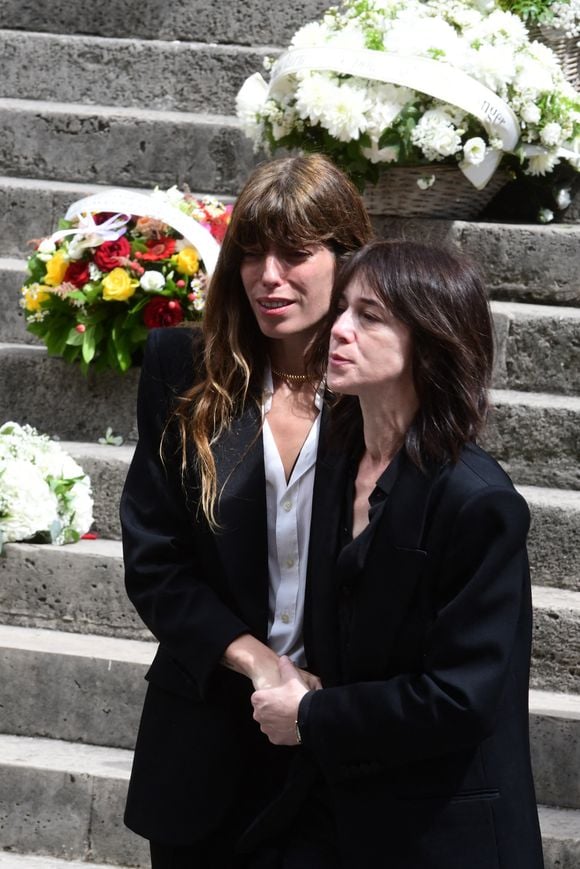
column 250, row 657
column 309, row 679
column 276, row 709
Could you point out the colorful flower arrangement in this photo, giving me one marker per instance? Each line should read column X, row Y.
column 562, row 15
column 45, row 495
column 368, row 123
column 105, row 278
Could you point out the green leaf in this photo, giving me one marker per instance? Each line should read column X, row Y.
column 89, row 345
column 75, row 339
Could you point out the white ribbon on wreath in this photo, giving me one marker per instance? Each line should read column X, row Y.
column 433, row 77
column 127, row 202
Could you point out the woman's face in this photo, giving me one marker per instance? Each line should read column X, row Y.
column 289, row 289
column 370, row 349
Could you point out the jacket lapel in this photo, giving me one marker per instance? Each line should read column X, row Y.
column 321, row 638
column 239, row 457
column 380, row 597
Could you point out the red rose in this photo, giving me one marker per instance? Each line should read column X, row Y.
column 161, row 311
column 77, row 274
column 158, row 248
column 108, row 253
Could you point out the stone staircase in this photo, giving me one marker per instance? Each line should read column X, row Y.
column 81, row 108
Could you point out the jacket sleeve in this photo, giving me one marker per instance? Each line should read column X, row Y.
column 162, row 573
column 451, row 702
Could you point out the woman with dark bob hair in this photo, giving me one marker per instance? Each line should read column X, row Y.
column 216, row 511
column 419, row 615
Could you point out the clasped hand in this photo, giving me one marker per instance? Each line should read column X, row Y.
column 276, row 709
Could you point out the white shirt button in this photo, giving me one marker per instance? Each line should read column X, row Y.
column 285, row 618
column 290, row 562
column 287, row 505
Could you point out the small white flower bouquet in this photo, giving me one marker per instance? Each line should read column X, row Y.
column 379, row 83
column 45, row 495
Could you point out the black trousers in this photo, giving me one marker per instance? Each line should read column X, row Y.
column 308, row 843
column 295, row 854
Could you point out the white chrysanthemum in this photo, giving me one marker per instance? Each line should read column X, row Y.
column 500, row 28
column 344, row 116
column 492, row 65
column 313, row 95
column 424, row 37
column 541, row 164
column 532, row 76
column 312, row 35
column 350, row 37
column 551, row 135
column 474, row 151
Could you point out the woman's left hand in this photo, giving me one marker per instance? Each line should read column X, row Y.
column 276, row 709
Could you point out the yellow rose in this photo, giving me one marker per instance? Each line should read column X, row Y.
column 118, row 286
column 33, row 296
column 55, row 269
column 187, row 261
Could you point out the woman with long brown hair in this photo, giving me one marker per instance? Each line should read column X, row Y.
column 216, row 511
column 421, row 612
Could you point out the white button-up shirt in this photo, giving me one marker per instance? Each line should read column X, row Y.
column 289, row 510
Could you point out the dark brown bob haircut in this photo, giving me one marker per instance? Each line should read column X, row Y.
column 439, row 294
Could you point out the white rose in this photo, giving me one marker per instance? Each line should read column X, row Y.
column 45, row 249
column 474, row 151
column 531, row 113
column 152, row 281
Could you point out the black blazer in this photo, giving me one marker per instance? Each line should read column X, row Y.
column 421, row 733
column 201, row 764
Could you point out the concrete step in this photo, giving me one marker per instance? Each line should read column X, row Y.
column 76, row 687
column 78, row 587
column 257, row 23
column 66, row 800
column 57, row 399
column 537, row 347
column 524, row 263
column 554, row 539
column 107, row 467
column 180, row 76
column 28, row 861
column 122, row 146
column 555, row 747
column 560, row 837
column 556, row 647
column 12, row 323
column 535, row 436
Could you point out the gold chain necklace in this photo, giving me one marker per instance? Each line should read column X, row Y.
column 296, row 378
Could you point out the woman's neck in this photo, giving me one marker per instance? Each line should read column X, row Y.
column 385, row 423
column 287, row 354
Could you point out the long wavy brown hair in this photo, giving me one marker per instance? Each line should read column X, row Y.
column 440, row 295
column 285, row 203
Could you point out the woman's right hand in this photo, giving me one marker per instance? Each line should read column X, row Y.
column 250, row 657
